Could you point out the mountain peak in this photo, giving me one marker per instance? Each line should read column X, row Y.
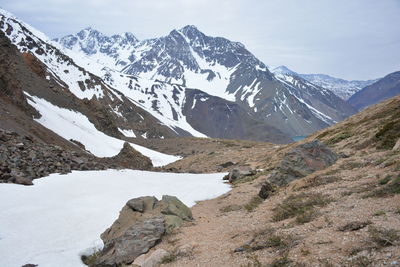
column 190, row 31
column 283, row 70
column 189, row 28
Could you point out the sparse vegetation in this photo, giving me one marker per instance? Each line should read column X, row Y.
column 385, row 180
column 253, row 203
column 383, row 237
column 339, row 137
column 387, row 188
column 91, row 259
column 302, row 206
column 171, row 257
column 230, row 208
column 358, row 261
column 320, row 180
column 281, row 262
column 351, row 164
column 379, row 213
column 388, row 134
column 270, row 238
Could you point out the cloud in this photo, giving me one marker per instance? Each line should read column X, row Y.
column 352, row 39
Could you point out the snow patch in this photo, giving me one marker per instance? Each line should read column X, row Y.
column 74, row 125
column 67, row 213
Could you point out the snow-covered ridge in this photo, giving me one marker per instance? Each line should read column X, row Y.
column 74, row 125
column 340, row 87
column 165, row 104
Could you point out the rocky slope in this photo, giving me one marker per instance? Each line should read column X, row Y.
column 218, row 67
column 345, row 213
column 341, row 208
column 385, row 88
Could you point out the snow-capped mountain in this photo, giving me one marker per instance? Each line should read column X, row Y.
column 120, row 105
column 340, row 87
column 218, row 67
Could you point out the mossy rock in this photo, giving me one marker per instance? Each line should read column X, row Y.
column 173, row 206
column 172, row 222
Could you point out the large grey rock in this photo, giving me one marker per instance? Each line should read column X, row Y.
column 239, row 173
column 141, row 204
column 140, row 225
column 172, row 222
column 137, row 240
column 302, row 161
column 175, row 207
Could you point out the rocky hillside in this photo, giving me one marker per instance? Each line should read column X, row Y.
column 341, row 209
column 385, row 88
column 216, row 66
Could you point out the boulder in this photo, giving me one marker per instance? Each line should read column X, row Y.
column 129, row 157
column 141, row 224
column 266, row 190
column 22, row 180
column 302, row 161
column 141, row 204
column 239, row 173
column 172, row 222
column 137, row 240
column 175, row 207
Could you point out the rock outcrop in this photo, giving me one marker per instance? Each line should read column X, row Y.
column 23, row 159
column 302, row 161
column 238, row 173
column 129, row 157
column 140, row 226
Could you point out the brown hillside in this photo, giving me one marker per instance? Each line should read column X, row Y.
column 345, row 215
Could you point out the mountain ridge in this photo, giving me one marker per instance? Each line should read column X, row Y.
column 226, row 69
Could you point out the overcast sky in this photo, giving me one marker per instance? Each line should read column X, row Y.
column 351, row 39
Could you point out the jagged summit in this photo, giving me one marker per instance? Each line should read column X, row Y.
column 283, row 70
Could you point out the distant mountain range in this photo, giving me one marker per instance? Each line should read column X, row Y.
column 214, row 65
column 387, row 87
column 342, row 88
column 182, row 84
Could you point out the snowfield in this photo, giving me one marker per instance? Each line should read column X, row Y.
column 74, row 125
column 62, row 216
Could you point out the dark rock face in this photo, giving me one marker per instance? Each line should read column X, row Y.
column 387, row 87
column 302, row 161
column 141, row 224
column 219, row 118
